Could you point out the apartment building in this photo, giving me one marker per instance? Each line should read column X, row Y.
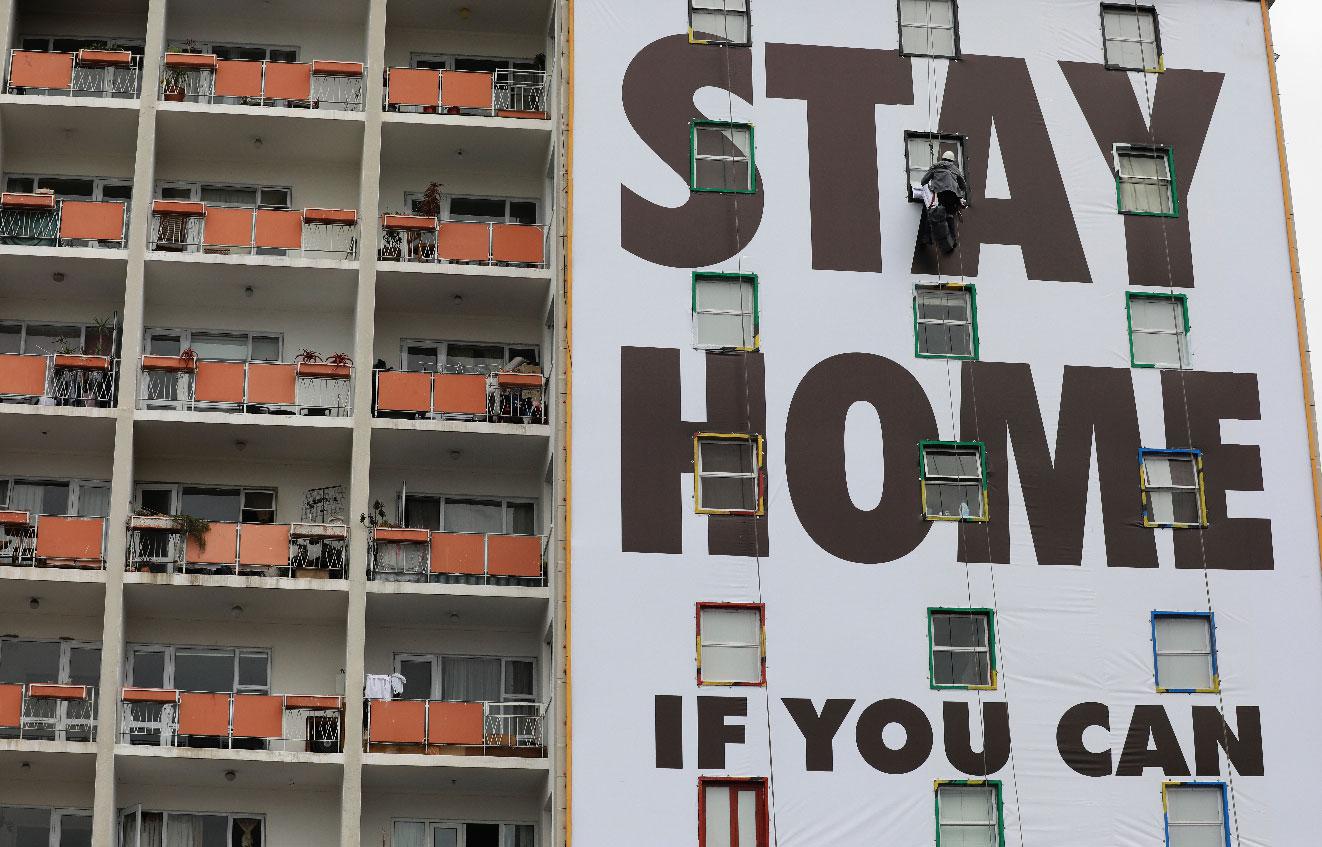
column 280, row 395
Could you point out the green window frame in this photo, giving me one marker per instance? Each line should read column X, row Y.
column 1129, row 153
column 989, row 647
column 697, row 127
column 947, row 820
column 956, row 476
column 1181, row 332
column 968, row 293
column 753, row 330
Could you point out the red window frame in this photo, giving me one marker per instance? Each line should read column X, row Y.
column 762, row 643
column 757, row 785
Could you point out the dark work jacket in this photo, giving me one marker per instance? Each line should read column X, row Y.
column 945, row 176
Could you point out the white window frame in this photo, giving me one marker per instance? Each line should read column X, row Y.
column 924, row 29
column 57, row 816
column 412, row 197
column 213, row 46
column 1135, row 12
column 461, row 839
column 194, row 193
column 443, row 350
column 176, row 490
column 991, row 787
column 1158, row 651
column 736, row 11
column 1151, row 489
column 506, row 504
column 1125, row 153
column 437, row 675
column 1221, row 824
column 99, row 185
column 447, row 61
column 983, row 649
column 748, row 301
column 186, row 340
column 755, row 444
column 24, row 325
column 73, row 504
column 171, row 652
column 961, row 448
column 758, row 646
column 138, row 812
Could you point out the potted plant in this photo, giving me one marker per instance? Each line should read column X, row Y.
column 392, row 246
column 193, row 528
column 185, row 361
column 174, row 89
column 421, row 249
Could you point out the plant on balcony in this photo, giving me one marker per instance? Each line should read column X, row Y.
column 307, row 357
column 428, row 207
column 339, row 359
column 392, row 246
column 194, row 528
column 188, row 354
column 174, row 88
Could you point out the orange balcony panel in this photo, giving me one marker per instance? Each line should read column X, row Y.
column 522, row 114
column 22, row 376
column 321, row 370
column 401, row 391
column 271, row 383
column 461, row 394
column 94, row 221
column 458, row 553
column 41, row 70
column 518, row 243
column 400, row 535
column 322, row 67
column 105, row 58
column 288, row 81
column 168, row 363
column 58, row 692
column 236, row 78
column 264, row 545
column 413, row 223
column 83, row 363
column 312, row 701
column 464, row 242
column 190, row 60
column 149, row 695
column 397, row 721
column 414, row 87
column 517, row 380
column 337, row 217
column 16, row 200
column 454, row 723
column 221, row 548
column 466, row 89
column 179, row 207
column 219, row 382
column 227, row 228
column 258, row 716
column 279, row 228
column 11, row 706
column 13, row 518
column 72, row 539
column 514, row 555
column 204, row 714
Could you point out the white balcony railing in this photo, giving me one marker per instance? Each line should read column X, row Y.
column 59, row 379
column 503, row 93
column 187, row 227
column 313, row 389
column 510, row 398
column 279, row 722
column 296, row 551
column 87, row 73
column 48, row 712
column 417, row 238
column 488, row 728
column 41, row 220
column 204, row 78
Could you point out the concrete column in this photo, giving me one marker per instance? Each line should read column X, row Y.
column 105, row 810
column 351, row 793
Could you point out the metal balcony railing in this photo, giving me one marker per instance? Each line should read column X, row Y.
column 494, row 398
column 187, row 227
column 314, row 389
column 300, row 550
column 52, row 541
column 204, row 78
column 280, row 722
column 501, row 94
column 488, row 728
column 417, row 238
column 87, row 73
column 48, row 712
column 422, row 555
column 60, row 379
column 41, row 220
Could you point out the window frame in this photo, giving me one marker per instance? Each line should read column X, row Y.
column 700, row 276
column 1148, row 150
column 694, row 126
column 1156, row 36
column 99, row 185
column 433, row 824
column 437, row 693
column 73, row 500
column 972, row 323
column 1175, row 784
column 85, row 330
column 177, row 492
column 748, row 28
column 194, row 189
column 1210, row 619
column 757, row 784
column 443, row 350
column 1200, row 486
column 993, row 784
column 506, row 514
column 990, row 616
column 1183, row 300
column 954, row 25
column 982, row 463
column 760, row 478
column 186, row 341
column 960, row 140
column 761, row 610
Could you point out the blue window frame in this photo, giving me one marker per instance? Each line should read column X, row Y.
column 1184, row 653
column 1196, row 814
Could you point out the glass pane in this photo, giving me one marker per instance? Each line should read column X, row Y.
column 727, row 141
column 523, row 212
column 967, row 804
column 43, row 498
column 75, row 830
column 474, row 358
column 477, row 209
column 414, row 834
column 523, row 520
column 958, row 462
column 422, row 513
column 223, row 195
column 265, row 348
column 943, row 305
column 727, row 295
column 474, row 516
column 943, row 42
column 148, row 670
column 421, row 357
column 723, row 174
column 1183, row 472
column 747, row 812
column 1163, row 350
column 724, row 330
column 274, row 198
column 732, row 664
column 953, row 500
column 24, row 827
column 160, row 501
column 84, row 666
column 199, row 671
column 417, row 675
column 1195, row 804
column 48, row 339
column 233, row 348
column 1183, row 634
column 716, row 811
column 729, row 493
column 215, row 832
column 969, row 836
column 482, row 835
column 956, row 630
column 1184, row 672
column 22, row 662
column 246, row 832
column 945, row 339
column 254, row 670
column 1157, row 470
column 68, row 187
column 165, row 344
column 519, row 678
column 522, row 835
column 212, row 504
column 11, row 338
column 1184, row 506
column 960, row 668
column 470, row 680
column 728, row 456
column 731, row 626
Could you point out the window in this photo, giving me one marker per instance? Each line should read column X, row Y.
column 25, row 826
column 84, row 498
column 968, row 814
column 1184, row 650
column 140, row 828
column 963, row 648
column 1195, row 814
column 1172, row 488
column 727, row 478
column 417, row 833
column 719, row 22
column 214, row 670
column 215, row 503
column 473, row 209
column 72, row 44
column 1132, row 39
column 731, row 644
column 72, row 187
column 252, row 52
column 945, row 321
column 234, row 196
column 489, row 515
column 46, row 339
column 216, row 346
column 721, row 157
column 732, row 812
column 25, row 661
column 922, row 150
column 488, row 64
column 467, row 679
column 463, row 357
column 929, row 28
column 1145, row 181
column 954, row 480
column 725, row 311
column 1158, row 330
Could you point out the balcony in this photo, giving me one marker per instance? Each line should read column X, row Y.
column 41, row 220
column 187, row 227
column 457, row 729
column 61, row 379
column 281, row 723
column 52, row 541
column 317, row 389
column 87, row 73
column 416, row 238
column 493, row 398
column 48, row 712
column 422, row 555
column 498, row 94
column 203, row 78
column 161, row 544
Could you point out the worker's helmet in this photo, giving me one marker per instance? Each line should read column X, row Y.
column 948, row 156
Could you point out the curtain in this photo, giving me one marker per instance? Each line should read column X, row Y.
column 474, row 516
column 153, row 826
column 27, row 497
column 94, row 500
column 409, row 834
column 470, row 680
column 183, row 831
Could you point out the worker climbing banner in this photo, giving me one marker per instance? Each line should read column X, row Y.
column 998, row 530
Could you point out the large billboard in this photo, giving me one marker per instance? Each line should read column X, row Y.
column 878, row 544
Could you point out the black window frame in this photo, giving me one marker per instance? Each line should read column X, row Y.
column 1156, row 34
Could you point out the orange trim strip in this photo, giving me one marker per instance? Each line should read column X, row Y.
column 569, row 423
